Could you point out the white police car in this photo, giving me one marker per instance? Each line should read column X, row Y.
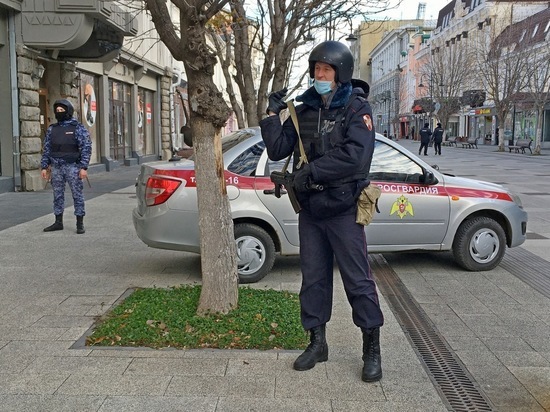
column 421, row 209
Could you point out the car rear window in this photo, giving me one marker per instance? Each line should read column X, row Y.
column 246, row 163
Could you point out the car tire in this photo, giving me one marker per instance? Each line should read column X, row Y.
column 255, row 252
column 479, row 244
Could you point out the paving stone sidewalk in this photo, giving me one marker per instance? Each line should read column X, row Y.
column 55, row 284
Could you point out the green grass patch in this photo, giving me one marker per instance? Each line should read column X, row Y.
column 161, row 318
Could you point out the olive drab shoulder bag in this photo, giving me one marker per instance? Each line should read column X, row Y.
column 367, row 204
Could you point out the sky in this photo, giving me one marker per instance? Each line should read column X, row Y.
column 408, row 8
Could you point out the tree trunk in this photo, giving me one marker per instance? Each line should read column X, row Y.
column 218, row 252
column 538, row 132
column 209, row 113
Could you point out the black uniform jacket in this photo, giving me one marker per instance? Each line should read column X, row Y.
column 339, row 143
column 350, row 155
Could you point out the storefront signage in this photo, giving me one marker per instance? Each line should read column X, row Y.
column 483, row 111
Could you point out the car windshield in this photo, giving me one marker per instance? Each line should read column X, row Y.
column 390, row 165
column 233, row 139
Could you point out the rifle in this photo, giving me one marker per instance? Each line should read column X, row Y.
column 285, row 179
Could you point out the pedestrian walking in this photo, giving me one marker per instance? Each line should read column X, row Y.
column 337, row 132
column 438, row 138
column 425, row 136
column 65, row 158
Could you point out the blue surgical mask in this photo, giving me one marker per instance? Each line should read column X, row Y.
column 322, row 86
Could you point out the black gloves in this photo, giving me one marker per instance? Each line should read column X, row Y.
column 302, row 179
column 276, row 103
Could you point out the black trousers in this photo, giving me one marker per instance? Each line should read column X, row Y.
column 320, row 242
column 423, row 146
column 437, row 147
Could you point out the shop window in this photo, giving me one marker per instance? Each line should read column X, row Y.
column 119, row 116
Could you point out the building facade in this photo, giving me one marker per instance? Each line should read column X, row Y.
column 124, row 85
column 438, row 75
column 465, row 25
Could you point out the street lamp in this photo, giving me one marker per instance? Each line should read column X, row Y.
column 352, row 38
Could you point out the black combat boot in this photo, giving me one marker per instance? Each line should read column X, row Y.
column 58, row 225
column 80, row 225
column 317, row 350
column 372, row 369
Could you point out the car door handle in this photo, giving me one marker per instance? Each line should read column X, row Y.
column 272, row 192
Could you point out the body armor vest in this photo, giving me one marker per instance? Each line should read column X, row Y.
column 323, row 130
column 64, row 144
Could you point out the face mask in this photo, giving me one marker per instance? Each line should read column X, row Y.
column 322, row 86
column 60, row 116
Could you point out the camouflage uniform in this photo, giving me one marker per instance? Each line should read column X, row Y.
column 66, row 160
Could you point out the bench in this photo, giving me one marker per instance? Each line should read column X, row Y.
column 470, row 143
column 451, row 141
column 521, row 145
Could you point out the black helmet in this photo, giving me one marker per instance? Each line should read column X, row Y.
column 337, row 54
column 66, row 104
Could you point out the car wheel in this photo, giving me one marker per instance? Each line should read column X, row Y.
column 479, row 244
column 255, row 252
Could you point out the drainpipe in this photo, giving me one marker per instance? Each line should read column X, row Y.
column 14, row 103
column 158, row 117
column 173, row 130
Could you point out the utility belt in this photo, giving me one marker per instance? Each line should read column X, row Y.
column 67, row 157
column 340, row 182
column 336, row 198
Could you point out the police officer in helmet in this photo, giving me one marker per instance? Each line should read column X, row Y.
column 337, row 132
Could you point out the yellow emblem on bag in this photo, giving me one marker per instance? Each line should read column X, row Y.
column 402, row 206
column 367, row 204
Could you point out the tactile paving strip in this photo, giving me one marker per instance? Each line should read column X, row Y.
column 528, row 267
column 453, row 382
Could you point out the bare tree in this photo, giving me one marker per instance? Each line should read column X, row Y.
column 502, row 67
column 449, row 69
column 221, row 35
column 538, row 81
column 277, row 30
column 209, row 113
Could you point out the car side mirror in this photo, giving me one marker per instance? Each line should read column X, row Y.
column 428, row 178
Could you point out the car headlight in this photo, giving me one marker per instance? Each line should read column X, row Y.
column 516, row 199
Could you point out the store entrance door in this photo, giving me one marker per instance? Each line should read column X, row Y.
column 119, row 131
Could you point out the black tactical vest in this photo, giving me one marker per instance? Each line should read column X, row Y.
column 323, row 130
column 64, row 144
